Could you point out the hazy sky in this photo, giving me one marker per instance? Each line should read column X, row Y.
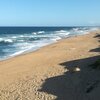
column 49, row 12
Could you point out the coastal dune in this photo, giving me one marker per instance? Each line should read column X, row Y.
column 59, row 71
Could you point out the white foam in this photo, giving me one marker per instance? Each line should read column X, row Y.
column 34, row 33
column 75, row 29
column 56, row 38
column 17, row 53
column 61, row 31
column 65, row 33
column 26, row 36
column 21, row 40
column 21, row 36
column 26, row 48
column 40, row 32
column 95, row 29
column 80, row 31
column 6, row 40
column 23, row 44
column 14, row 37
column 1, row 39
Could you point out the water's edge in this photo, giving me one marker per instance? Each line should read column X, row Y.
column 30, row 51
column 15, row 44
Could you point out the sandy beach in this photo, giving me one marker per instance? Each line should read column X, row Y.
column 59, row 71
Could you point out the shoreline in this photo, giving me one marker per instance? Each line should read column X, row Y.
column 33, row 47
column 31, row 51
column 43, row 73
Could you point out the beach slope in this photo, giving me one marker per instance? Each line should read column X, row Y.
column 60, row 71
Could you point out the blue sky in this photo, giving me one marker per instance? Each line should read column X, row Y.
column 49, row 12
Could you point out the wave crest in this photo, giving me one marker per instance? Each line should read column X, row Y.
column 6, row 40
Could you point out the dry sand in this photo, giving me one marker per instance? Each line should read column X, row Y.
column 56, row 72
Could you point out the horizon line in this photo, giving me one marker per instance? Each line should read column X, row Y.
column 57, row 26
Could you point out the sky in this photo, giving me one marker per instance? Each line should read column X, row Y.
column 49, row 12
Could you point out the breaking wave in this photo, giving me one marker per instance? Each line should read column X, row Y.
column 6, row 40
column 16, row 44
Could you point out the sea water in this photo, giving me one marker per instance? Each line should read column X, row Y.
column 18, row 40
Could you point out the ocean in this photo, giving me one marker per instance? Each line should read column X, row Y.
column 18, row 40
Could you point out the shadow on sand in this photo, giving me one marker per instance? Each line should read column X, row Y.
column 75, row 84
column 95, row 50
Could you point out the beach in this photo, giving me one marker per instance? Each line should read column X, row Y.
column 55, row 72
